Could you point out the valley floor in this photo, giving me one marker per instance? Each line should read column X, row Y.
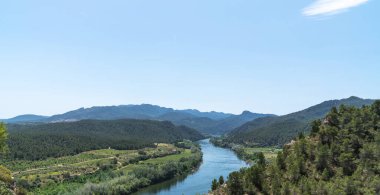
column 105, row 170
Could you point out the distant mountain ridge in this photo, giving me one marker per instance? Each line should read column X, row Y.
column 25, row 118
column 143, row 111
column 206, row 122
column 281, row 129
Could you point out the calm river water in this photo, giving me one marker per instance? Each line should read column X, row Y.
column 216, row 162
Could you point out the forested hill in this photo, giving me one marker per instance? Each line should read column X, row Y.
column 341, row 156
column 280, row 130
column 206, row 122
column 38, row 141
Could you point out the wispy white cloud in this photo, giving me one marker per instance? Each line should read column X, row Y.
column 328, row 7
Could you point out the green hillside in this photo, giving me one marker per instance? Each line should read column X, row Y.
column 280, row 130
column 228, row 124
column 341, row 156
column 215, row 123
column 39, row 141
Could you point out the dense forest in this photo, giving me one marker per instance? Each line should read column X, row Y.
column 340, row 156
column 277, row 131
column 40, row 141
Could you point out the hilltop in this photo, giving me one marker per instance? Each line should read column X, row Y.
column 280, row 130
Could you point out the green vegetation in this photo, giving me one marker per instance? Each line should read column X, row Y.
column 40, row 141
column 276, row 131
column 70, row 157
column 221, row 180
column 217, row 183
column 105, row 171
column 5, row 174
column 214, row 184
column 3, row 138
column 341, row 156
column 246, row 152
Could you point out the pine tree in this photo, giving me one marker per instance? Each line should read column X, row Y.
column 301, row 135
column 255, row 176
column 333, row 117
column 376, row 107
column 347, row 162
column 260, row 158
column 322, row 159
column 315, row 127
column 214, row 185
column 235, row 184
column 276, row 184
column 325, row 175
column 3, row 138
column 280, row 160
column 221, row 180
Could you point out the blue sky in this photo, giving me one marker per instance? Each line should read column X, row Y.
column 263, row 56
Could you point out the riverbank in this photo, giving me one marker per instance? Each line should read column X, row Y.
column 244, row 152
column 216, row 162
column 106, row 171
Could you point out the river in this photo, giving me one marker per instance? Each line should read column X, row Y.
column 216, row 162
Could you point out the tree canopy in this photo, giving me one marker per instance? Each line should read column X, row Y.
column 341, row 156
column 5, row 174
column 40, row 141
column 3, row 138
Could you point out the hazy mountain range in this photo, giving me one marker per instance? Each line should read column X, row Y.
column 206, row 122
column 25, row 118
column 248, row 127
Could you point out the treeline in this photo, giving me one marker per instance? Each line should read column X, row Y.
column 237, row 148
column 341, row 156
column 117, row 176
column 40, row 141
column 143, row 177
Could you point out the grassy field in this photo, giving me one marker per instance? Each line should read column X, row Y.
column 269, row 152
column 94, row 166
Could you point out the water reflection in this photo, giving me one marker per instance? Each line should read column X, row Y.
column 216, row 162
